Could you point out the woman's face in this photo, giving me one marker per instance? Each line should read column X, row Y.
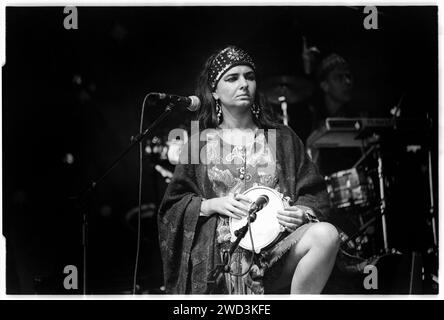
column 237, row 87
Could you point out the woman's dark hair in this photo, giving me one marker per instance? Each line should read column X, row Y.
column 207, row 116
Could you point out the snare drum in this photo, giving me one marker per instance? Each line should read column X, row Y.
column 349, row 188
column 266, row 228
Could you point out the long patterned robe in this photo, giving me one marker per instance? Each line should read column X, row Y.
column 188, row 242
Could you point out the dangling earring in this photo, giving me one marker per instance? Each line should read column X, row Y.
column 219, row 112
column 256, row 110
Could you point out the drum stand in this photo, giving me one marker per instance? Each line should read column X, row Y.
column 431, row 268
column 284, row 107
column 432, row 203
column 382, row 205
column 376, row 149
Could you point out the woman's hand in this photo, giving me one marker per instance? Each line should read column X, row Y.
column 292, row 217
column 230, row 206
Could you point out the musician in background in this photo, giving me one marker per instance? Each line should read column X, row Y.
column 335, row 81
column 334, row 99
column 238, row 154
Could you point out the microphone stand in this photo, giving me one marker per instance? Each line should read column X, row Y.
column 216, row 273
column 240, row 234
column 85, row 194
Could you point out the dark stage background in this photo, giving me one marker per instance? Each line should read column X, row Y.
column 80, row 92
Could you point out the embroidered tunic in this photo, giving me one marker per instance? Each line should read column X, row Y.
column 190, row 244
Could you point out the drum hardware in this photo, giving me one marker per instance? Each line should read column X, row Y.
column 355, row 262
column 346, row 239
column 398, row 273
column 370, row 133
column 431, row 263
column 349, row 188
column 355, row 188
column 364, row 156
column 432, row 205
column 161, row 150
column 368, row 130
column 376, row 149
column 294, row 89
column 382, row 198
column 357, row 240
column 431, row 193
column 284, row 90
column 284, row 107
column 355, row 192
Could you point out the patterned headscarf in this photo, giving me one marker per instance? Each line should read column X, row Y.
column 226, row 59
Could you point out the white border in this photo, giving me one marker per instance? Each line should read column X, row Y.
column 217, row 297
column 217, row 3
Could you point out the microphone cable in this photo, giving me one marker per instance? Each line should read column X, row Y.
column 139, row 213
column 241, row 274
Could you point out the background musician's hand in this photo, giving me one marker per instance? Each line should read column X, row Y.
column 230, row 206
column 292, row 217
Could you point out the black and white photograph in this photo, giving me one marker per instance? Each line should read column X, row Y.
column 210, row 149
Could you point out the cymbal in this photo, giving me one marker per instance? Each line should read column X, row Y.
column 294, row 89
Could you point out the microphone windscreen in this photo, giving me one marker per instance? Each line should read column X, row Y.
column 262, row 200
column 195, row 103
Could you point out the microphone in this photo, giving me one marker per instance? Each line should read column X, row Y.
column 192, row 103
column 256, row 206
column 260, row 202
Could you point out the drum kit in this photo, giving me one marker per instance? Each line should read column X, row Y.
column 369, row 198
column 362, row 196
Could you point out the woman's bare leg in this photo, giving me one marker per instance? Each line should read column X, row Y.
column 309, row 263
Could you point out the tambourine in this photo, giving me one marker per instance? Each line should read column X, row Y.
column 266, row 228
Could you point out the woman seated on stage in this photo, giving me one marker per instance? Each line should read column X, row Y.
column 244, row 149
